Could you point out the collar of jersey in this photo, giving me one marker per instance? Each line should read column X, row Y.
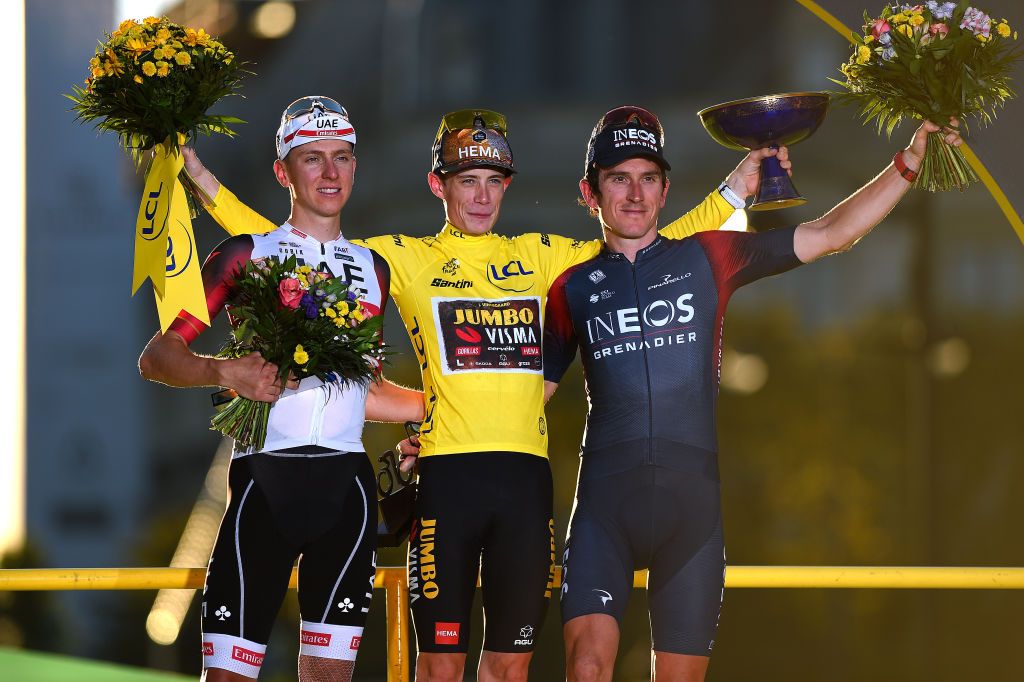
column 608, row 253
column 291, row 229
column 450, row 234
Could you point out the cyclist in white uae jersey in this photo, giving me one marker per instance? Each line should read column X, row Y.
column 308, row 494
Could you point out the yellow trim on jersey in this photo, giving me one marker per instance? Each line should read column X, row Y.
column 473, row 306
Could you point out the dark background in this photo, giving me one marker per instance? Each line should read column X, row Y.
column 869, row 413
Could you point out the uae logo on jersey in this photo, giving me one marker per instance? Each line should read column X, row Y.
column 596, row 276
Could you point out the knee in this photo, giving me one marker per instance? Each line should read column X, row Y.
column 439, row 669
column 587, row 667
column 503, row 667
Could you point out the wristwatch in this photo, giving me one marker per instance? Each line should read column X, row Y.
column 734, row 199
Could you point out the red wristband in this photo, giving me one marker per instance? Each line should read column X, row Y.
column 901, row 168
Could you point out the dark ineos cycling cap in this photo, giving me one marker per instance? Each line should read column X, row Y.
column 625, row 133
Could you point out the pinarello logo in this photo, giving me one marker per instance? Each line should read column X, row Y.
column 354, row 644
column 207, row 648
column 316, row 638
column 467, row 350
column 246, row 656
column 446, row 633
column 468, row 334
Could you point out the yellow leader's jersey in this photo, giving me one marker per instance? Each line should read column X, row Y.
column 473, row 307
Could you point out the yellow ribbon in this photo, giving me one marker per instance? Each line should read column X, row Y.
column 165, row 248
column 986, row 178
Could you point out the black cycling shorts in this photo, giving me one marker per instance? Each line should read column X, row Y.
column 665, row 520
column 321, row 508
column 486, row 512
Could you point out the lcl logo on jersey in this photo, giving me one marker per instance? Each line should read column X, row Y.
column 506, row 277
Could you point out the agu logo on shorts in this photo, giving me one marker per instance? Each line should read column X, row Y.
column 446, row 633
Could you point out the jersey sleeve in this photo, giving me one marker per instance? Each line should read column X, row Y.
column 559, row 336
column 709, row 214
column 235, row 217
column 739, row 258
column 219, row 271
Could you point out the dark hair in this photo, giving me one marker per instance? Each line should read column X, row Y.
column 591, row 178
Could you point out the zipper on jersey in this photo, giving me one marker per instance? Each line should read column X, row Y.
column 647, row 367
column 320, row 402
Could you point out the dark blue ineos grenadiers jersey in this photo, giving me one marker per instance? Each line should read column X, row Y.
column 650, row 336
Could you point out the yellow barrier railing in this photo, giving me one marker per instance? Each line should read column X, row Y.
column 392, row 579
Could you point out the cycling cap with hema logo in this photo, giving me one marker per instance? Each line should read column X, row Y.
column 472, row 138
column 312, row 118
column 625, row 133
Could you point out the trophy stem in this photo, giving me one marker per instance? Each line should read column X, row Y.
column 776, row 189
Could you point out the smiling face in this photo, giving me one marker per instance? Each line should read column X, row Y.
column 319, row 176
column 629, row 197
column 472, row 198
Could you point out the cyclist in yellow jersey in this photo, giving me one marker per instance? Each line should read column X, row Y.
column 472, row 303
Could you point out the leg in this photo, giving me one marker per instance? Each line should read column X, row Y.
column 246, row 581
column 503, row 667
column 325, row 669
column 444, row 560
column 679, row 667
column 517, row 566
column 221, row 675
column 337, row 567
column 432, row 667
column 597, row 576
column 591, row 643
column 685, row 590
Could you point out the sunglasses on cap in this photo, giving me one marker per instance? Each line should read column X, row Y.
column 465, row 119
column 632, row 115
column 312, row 103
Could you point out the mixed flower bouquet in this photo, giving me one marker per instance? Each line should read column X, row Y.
column 154, row 80
column 305, row 322
column 933, row 61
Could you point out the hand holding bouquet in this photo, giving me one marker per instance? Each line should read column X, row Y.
column 935, row 61
column 303, row 321
column 151, row 83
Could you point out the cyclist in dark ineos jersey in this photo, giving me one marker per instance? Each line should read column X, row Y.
column 646, row 315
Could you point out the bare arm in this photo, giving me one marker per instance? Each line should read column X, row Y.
column 855, row 216
column 167, row 359
column 549, row 390
column 389, row 402
column 200, row 173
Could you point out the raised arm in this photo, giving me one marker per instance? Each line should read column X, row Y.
column 716, row 208
column 227, row 209
column 855, row 216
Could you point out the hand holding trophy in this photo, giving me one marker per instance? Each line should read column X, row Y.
column 768, row 121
